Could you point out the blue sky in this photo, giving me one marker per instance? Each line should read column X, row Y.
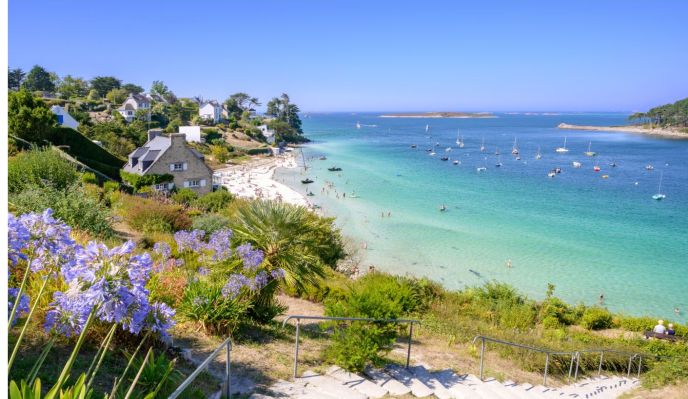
column 372, row 55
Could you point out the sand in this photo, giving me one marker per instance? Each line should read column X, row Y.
column 659, row 132
column 255, row 180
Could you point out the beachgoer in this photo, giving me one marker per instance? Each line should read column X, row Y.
column 343, row 195
column 365, row 245
column 659, row 328
column 671, row 330
column 389, row 214
column 602, row 299
column 508, row 263
column 677, row 311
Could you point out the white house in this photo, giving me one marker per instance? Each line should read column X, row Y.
column 63, row 117
column 210, row 111
column 193, row 133
column 268, row 133
column 133, row 103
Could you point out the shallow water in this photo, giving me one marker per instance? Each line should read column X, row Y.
column 585, row 234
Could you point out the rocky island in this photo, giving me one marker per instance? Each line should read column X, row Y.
column 440, row 115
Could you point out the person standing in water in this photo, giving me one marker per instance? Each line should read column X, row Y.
column 508, row 263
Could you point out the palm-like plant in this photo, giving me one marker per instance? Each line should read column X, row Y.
column 290, row 237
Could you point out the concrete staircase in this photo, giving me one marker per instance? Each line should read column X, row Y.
column 421, row 383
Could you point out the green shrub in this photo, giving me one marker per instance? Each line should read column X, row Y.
column 666, row 372
column 40, row 168
column 596, row 318
column 86, row 151
column 89, row 178
column 184, row 196
column 110, row 186
column 555, row 313
column 139, row 182
column 152, row 216
column 73, row 205
column 158, row 370
column 210, row 223
column 214, row 201
column 356, row 345
column 204, row 303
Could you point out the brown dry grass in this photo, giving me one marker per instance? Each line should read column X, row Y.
column 679, row 391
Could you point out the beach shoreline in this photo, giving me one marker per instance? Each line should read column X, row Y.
column 255, row 179
column 442, row 115
column 658, row 132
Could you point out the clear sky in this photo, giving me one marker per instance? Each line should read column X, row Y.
column 372, row 55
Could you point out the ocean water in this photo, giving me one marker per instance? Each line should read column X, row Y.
column 585, row 234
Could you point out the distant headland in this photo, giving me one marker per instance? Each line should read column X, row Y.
column 666, row 132
column 439, row 115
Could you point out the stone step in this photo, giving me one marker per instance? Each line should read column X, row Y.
column 427, row 378
column 458, row 385
column 513, row 390
column 384, row 380
column 418, row 389
column 330, row 386
column 357, row 382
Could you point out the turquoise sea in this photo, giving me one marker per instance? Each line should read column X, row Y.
column 585, row 234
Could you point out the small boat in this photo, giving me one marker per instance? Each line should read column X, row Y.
column 589, row 152
column 557, row 170
column 612, row 164
column 432, row 154
column 413, row 146
column 310, row 194
column 562, row 149
column 518, row 158
column 358, row 125
column 429, row 150
column 481, row 169
column 482, row 145
column 456, row 162
column 458, row 139
column 577, row 164
column 551, row 174
column 443, row 208
column 605, row 176
column 322, row 158
column 445, row 158
column 306, row 181
column 659, row 196
column 538, row 156
column 596, row 168
column 448, row 149
column 649, row 167
column 335, row 169
column 497, row 151
column 514, row 148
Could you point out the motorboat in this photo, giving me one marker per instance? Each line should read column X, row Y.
column 577, row 164
column 322, row 158
column 551, row 173
column 456, row 162
column 335, row 169
column 649, row 167
column 413, row 146
column 445, row 158
column 307, row 181
column 481, row 169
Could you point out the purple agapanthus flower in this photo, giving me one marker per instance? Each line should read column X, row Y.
column 190, row 240
column 18, row 237
column 160, row 319
column 260, row 281
column 163, row 249
column 22, row 307
column 69, row 311
column 49, row 242
column 234, row 285
column 203, row 271
column 219, row 243
column 277, row 274
column 251, row 257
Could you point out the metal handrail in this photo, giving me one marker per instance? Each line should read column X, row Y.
column 226, row 344
column 298, row 318
column 575, row 357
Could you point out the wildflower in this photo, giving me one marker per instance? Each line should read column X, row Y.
column 251, row 257
column 160, row 319
column 163, row 249
column 203, row 271
column 48, row 242
column 277, row 274
column 219, row 243
column 234, row 285
column 69, row 311
column 23, row 306
column 191, row 240
column 260, row 281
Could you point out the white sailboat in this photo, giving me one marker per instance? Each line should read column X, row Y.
column 538, row 155
column 589, row 152
column 514, row 149
column 659, row 196
column 458, row 140
column 562, row 149
column 482, row 146
column 427, row 127
column 358, row 125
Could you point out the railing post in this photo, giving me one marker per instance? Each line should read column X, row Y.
column 640, row 364
column 599, row 369
column 573, row 356
column 630, row 361
column 408, row 353
column 296, row 347
column 482, row 354
column 228, row 371
column 575, row 376
column 546, row 369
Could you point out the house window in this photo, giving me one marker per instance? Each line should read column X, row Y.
column 178, row 166
column 161, row 187
column 194, row 183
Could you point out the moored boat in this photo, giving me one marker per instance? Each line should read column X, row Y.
column 306, row 181
column 562, row 149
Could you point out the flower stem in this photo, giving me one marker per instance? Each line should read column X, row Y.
column 70, row 362
column 138, row 375
column 39, row 363
column 19, row 294
column 126, row 369
column 101, row 351
column 26, row 324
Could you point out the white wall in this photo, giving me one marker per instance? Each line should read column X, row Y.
column 66, row 119
column 193, row 133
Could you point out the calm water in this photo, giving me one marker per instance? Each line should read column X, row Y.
column 585, row 234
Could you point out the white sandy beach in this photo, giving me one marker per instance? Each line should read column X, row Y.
column 255, row 180
column 660, row 132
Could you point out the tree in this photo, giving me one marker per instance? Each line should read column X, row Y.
column 238, row 103
column 93, row 95
column 117, row 96
column 220, row 153
column 28, row 117
column 14, row 78
column 284, row 111
column 72, row 87
column 38, row 79
column 103, row 84
column 158, row 87
column 132, row 88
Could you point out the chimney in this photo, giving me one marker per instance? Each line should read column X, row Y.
column 177, row 139
column 153, row 133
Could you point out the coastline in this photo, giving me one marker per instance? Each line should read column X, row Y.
column 658, row 132
column 442, row 115
column 255, row 180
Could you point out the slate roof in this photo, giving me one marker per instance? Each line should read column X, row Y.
column 151, row 152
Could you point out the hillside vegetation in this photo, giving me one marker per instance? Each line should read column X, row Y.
column 668, row 115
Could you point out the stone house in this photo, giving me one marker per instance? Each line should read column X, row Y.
column 171, row 155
